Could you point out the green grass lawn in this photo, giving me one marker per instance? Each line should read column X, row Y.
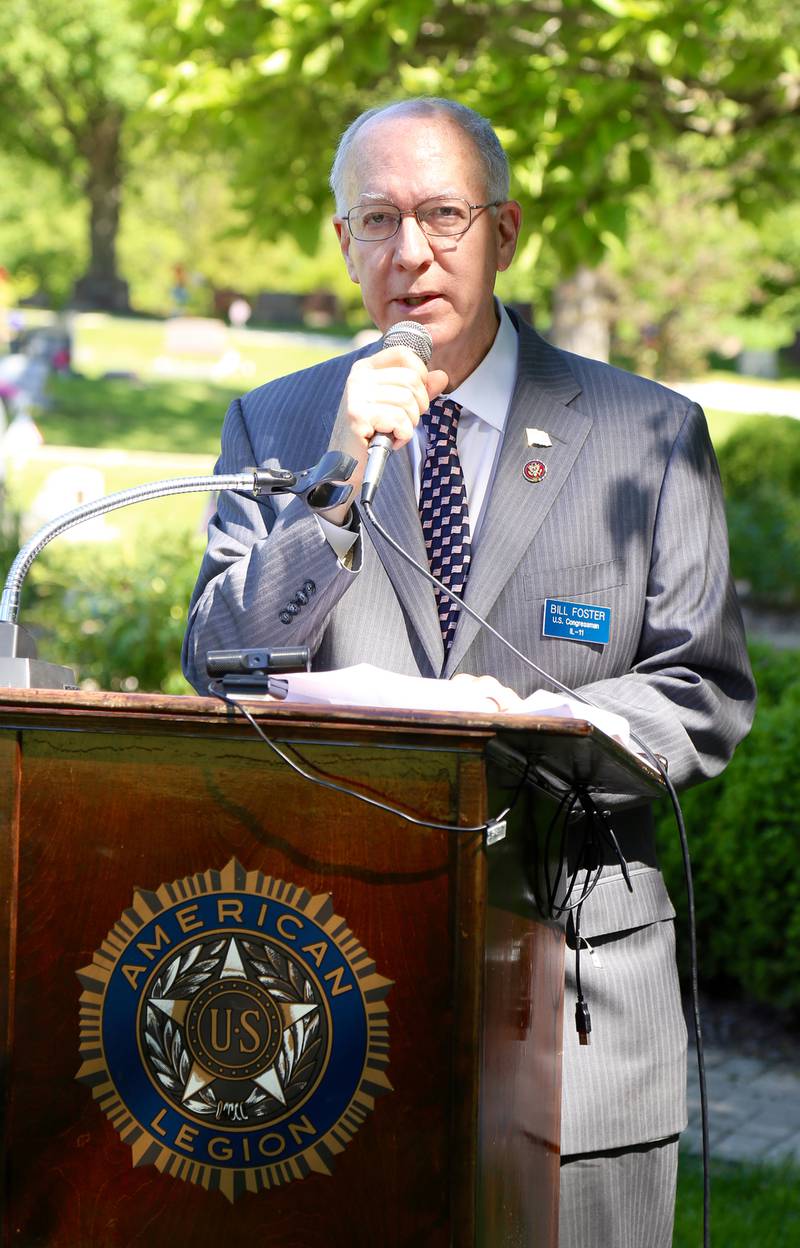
column 30, row 485
column 168, row 416
column 787, row 381
column 159, row 428
column 150, row 412
column 751, row 1206
column 103, row 344
column 162, row 427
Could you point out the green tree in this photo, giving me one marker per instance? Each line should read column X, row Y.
column 583, row 93
column 70, row 79
column 689, row 264
column 42, row 229
column 183, row 210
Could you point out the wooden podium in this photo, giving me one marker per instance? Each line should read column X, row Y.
column 429, row 938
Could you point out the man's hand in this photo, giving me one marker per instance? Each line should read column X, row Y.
column 498, row 697
column 385, row 393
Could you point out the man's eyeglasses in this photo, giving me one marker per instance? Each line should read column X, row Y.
column 442, row 217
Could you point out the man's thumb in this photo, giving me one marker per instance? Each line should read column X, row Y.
column 435, row 383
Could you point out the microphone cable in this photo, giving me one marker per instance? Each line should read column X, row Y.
column 217, row 691
column 659, row 766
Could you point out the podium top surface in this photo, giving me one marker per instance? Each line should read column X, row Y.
column 561, row 751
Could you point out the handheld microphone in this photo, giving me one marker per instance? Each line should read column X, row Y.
column 403, row 334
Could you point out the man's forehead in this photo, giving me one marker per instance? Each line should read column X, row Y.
column 379, row 195
column 396, row 147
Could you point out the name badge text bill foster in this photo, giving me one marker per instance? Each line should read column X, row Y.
column 576, row 621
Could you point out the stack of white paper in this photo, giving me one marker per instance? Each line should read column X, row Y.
column 368, row 686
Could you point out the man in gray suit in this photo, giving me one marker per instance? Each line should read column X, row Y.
column 585, row 486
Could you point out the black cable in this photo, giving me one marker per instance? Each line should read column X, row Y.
column 660, row 768
column 583, row 1019
column 341, row 788
column 694, row 986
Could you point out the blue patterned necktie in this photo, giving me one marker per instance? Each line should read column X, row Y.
column 443, row 511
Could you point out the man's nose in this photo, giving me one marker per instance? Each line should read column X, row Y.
column 412, row 247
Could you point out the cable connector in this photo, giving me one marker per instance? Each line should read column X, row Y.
column 496, row 830
column 583, row 1021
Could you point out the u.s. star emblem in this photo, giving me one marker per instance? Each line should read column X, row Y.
column 233, row 1030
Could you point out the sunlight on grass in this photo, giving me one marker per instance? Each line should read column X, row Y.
column 105, row 344
column 30, row 493
column 751, row 1206
column 168, row 416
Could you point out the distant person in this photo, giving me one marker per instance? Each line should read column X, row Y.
column 180, row 289
column 239, row 313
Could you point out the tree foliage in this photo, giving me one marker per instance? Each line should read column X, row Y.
column 182, row 101
column 70, row 76
column 694, row 278
column 582, row 92
column 43, row 233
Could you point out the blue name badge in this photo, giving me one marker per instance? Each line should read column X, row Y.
column 576, row 621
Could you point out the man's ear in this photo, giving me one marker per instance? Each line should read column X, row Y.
column 343, row 235
column 508, row 223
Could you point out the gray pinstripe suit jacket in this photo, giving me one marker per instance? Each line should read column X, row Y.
column 629, row 516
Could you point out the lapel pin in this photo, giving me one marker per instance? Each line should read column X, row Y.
column 534, row 470
column 538, row 437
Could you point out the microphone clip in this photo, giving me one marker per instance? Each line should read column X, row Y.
column 323, row 486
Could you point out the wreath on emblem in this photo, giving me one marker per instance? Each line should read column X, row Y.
column 167, row 1050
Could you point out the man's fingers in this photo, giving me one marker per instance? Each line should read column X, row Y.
column 389, row 357
column 386, row 418
column 488, row 687
column 385, row 394
column 394, row 385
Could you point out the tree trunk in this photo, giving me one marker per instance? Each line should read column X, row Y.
column 582, row 308
column 101, row 287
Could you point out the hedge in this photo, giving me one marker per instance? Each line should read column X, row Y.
column 744, row 838
column 116, row 616
column 760, row 467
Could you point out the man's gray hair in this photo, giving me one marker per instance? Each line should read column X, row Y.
column 478, row 129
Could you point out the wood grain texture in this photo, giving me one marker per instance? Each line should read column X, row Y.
column 521, row 1069
column 10, row 763
column 113, row 795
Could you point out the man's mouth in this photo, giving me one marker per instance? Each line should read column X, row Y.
column 417, row 301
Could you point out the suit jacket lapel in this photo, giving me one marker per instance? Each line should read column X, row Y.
column 516, row 507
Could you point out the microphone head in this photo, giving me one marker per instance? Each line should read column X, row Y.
column 410, row 334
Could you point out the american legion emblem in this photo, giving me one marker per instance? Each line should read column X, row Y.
column 233, row 1030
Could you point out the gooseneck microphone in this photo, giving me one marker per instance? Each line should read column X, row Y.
column 323, row 486
column 403, row 334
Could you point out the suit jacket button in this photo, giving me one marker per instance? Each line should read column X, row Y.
column 292, row 608
column 309, row 588
column 300, row 598
column 285, row 617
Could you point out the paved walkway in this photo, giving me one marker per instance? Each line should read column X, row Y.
column 754, row 1107
column 742, row 396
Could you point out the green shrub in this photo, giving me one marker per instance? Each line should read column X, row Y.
column 760, row 468
column 117, row 617
column 743, row 830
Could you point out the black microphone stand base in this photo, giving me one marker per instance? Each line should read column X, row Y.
column 21, row 669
